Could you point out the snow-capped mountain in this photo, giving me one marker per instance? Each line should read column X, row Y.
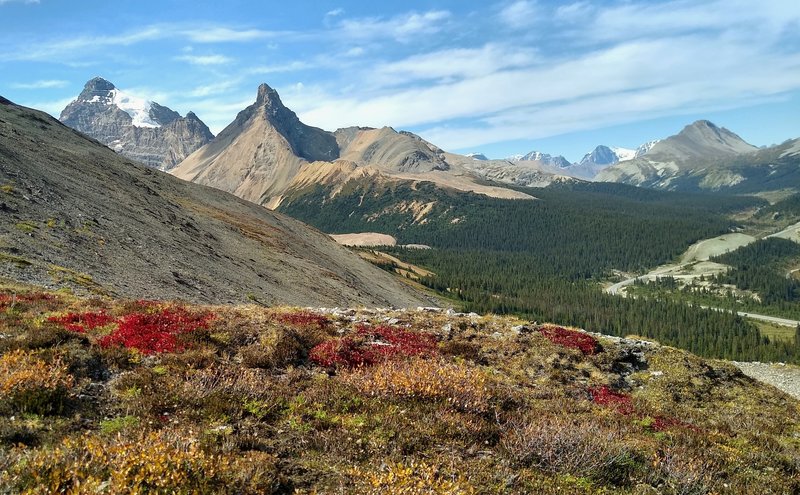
column 646, row 147
column 685, row 160
column 477, row 156
column 591, row 164
column 135, row 127
column 542, row 158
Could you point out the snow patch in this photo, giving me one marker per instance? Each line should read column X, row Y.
column 623, row 154
column 137, row 108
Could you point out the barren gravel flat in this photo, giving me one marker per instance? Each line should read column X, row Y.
column 781, row 376
column 364, row 239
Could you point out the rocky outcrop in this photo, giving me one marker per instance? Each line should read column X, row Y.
column 138, row 129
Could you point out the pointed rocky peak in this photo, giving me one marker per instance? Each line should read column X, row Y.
column 96, row 89
column 601, row 155
column 268, row 96
column 310, row 143
column 162, row 115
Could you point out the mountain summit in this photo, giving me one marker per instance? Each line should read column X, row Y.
column 139, row 129
column 692, row 159
column 258, row 154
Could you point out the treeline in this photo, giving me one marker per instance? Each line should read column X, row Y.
column 506, row 283
column 761, row 267
column 577, row 231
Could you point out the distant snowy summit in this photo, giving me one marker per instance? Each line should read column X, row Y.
column 542, row 158
column 477, row 156
column 137, row 128
column 590, row 165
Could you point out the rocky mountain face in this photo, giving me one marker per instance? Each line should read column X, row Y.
column 541, row 158
column 389, row 150
column 140, row 130
column 267, row 151
column 75, row 214
column 258, row 154
column 695, row 156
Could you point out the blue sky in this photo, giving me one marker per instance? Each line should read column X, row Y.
column 497, row 77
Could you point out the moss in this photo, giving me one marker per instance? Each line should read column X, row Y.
column 27, row 227
column 15, row 260
column 115, row 425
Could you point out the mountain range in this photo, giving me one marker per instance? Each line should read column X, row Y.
column 138, row 129
column 78, row 215
column 267, row 151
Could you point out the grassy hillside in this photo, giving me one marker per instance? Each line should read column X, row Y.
column 108, row 396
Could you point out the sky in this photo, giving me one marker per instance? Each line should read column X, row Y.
column 500, row 78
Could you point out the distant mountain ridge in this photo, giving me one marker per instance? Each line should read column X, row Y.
column 696, row 154
column 267, row 150
column 139, row 129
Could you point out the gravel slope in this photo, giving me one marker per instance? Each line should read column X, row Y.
column 74, row 213
column 783, row 377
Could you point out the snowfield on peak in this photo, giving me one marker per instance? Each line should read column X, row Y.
column 623, row 154
column 137, row 108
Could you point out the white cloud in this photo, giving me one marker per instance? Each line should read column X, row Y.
column 574, row 12
column 26, row 2
column 205, row 59
column 62, row 50
column 334, row 12
column 519, row 14
column 636, row 78
column 42, row 84
column 356, row 51
column 213, row 88
column 456, row 63
column 400, row 28
column 284, row 67
column 224, row 34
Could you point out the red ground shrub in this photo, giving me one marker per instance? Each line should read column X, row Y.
column 81, row 322
column 370, row 345
column 156, row 332
column 605, row 396
column 571, row 338
column 6, row 300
